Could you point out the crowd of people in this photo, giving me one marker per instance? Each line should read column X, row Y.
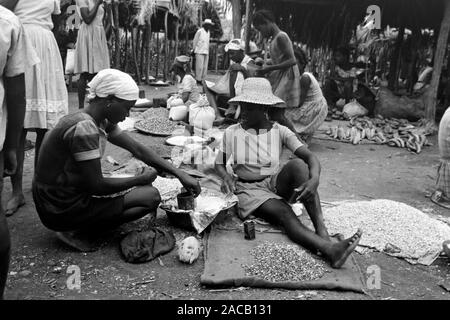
column 273, row 106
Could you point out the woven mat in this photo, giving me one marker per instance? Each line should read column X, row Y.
column 227, row 250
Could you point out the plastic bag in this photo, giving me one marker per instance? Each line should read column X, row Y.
column 354, row 109
column 70, row 61
column 174, row 101
column 178, row 113
column 222, row 86
column 201, row 115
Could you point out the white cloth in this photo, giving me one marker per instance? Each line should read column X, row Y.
column 201, row 41
column 235, row 44
column 240, row 77
column 113, row 82
column 47, row 99
column 37, row 12
column 13, row 58
column 91, row 52
column 90, row 4
column 201, row 66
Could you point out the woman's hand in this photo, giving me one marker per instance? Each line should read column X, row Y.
column 147, row 176
column 237, row 67
column 190, row 184
column 306, row 191
column 98, row 2
column 228, row 184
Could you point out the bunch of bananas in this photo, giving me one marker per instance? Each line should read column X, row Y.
column 356, row 135
column 393, row 132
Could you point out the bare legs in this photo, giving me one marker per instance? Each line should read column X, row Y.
column 5, row 242
column 17, row 199
column 137, row 204
column 292, row 176
column 280, row 213
column 82, row 85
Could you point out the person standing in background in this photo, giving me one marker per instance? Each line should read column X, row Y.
column 13, row 57
column 46, row 92
column 201, row 50
column 281, row 70
column 91, row 52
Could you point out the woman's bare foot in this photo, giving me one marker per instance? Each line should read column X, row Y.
column 14, row 204
column 77, row 241
column 342, row 250
column 323, row 233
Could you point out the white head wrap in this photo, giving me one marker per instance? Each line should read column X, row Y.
column 112, row 82
column 235, row 44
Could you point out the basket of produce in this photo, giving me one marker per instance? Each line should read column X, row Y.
column 156, row 126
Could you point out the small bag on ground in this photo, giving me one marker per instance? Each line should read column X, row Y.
column 144, row 246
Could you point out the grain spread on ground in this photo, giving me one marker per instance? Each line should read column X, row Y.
column 159, row 126
column 277, row 262
column 391, row 227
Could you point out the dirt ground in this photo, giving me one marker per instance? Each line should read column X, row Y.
column 39, row 261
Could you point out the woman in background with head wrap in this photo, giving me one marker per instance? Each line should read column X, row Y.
column 188, row 90
column 313, row 108
column 68, row 178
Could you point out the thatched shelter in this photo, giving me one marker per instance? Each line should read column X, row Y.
column 329, row 23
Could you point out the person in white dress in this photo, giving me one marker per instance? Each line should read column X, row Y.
column 91, row 52
column 13, row 58
column 46, row 92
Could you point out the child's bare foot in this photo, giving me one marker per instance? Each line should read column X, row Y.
column 343, row 249
column 14, row 204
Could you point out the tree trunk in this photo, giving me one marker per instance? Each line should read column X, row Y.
column 431, row 99
column 117, row 34
column 237, row 18
column 157, row 55
column 177, row 40
column 248, row 24
column 166, row 44
column 126, row 50
column 148, row 53
column 134, row 46
column 143, row 46
column 186, row 34
column 393, row 70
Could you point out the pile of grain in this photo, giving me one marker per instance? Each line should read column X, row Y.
column 391, row 227
column 155, row 113
column 283, row 262
column 158, row 126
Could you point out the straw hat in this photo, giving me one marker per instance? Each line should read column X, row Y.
column 257, row 91
column 208, row 21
